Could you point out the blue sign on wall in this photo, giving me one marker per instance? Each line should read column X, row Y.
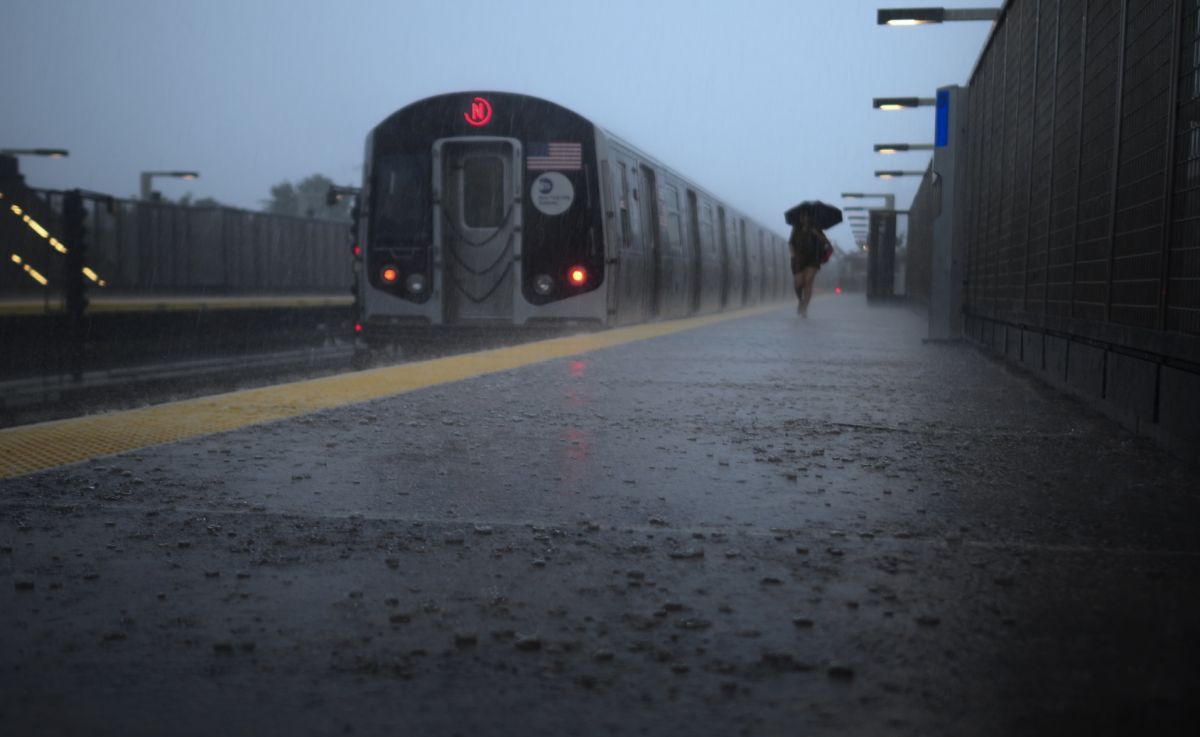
column 941, row 135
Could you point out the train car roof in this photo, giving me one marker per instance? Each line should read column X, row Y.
column 607, row 133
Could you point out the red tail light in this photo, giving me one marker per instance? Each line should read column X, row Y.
column 358, row 327
column 837, row 290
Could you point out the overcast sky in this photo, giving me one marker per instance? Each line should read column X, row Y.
column 764, row 102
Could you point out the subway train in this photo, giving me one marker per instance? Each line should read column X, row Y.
column 491, row 209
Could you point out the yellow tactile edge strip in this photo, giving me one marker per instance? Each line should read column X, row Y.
column 50, row 444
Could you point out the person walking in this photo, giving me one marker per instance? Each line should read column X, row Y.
column 807, row 244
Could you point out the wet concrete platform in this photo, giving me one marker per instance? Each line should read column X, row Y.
column 762, row 526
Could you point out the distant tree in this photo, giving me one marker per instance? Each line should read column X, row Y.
column 283, row 200
column 306, row 198
column 187, row 201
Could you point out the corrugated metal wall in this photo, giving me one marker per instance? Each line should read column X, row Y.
column 1072, row 118
column 919, row 257
column 1182, row 270
column 1073, row 114
column 1083, row 236
column 163, row 248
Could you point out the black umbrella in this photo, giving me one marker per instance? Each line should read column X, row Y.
column 823, row 216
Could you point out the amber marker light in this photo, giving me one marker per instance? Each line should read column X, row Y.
column 389, row 274
column 577, row 276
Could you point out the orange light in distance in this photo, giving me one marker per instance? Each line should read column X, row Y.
column 389, row 274
column 577, row 275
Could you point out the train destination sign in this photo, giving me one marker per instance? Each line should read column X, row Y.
column 480, row 113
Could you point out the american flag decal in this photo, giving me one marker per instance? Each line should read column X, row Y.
column 554, row 156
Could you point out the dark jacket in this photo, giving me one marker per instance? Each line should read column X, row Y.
column 806, row 245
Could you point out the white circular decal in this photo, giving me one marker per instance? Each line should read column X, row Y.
column 552, row 193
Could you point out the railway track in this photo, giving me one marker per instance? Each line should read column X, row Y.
column 47, row 397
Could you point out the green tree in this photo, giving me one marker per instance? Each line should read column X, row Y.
column 188, row 201
column 283, row 200
column 306, row 198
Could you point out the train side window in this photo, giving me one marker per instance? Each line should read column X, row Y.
column 722, row 232
column 674, row 220
column 626, row 228
column 707, row 241
column 635, row 211
column 483, row 192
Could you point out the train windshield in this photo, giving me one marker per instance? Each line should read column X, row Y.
column 402, row 204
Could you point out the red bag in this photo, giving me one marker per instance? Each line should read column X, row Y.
column 826, row 253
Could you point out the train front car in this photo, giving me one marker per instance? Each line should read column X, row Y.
column 480, row 210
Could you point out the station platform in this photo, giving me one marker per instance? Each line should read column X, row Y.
column 740, row 524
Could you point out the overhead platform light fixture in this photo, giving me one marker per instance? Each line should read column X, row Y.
column 54, row 153
column 893, row 173
column 901, row 103
column 895, row 148
column 927, row 16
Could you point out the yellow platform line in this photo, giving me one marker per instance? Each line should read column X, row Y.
column 50, row 444
column 178, row 304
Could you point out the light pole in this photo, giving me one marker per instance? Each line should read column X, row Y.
column 148, row 175
column 926, row 16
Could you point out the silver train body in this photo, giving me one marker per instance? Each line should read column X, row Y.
column 486, row 209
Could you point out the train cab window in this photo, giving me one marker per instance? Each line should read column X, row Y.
column 483, row 191
column 402, row 201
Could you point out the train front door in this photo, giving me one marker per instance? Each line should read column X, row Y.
column 477, row 226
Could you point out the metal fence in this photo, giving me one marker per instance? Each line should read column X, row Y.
column 141, row 247
column 1083, row 230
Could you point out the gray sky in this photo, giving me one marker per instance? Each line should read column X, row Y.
column 764, row 102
